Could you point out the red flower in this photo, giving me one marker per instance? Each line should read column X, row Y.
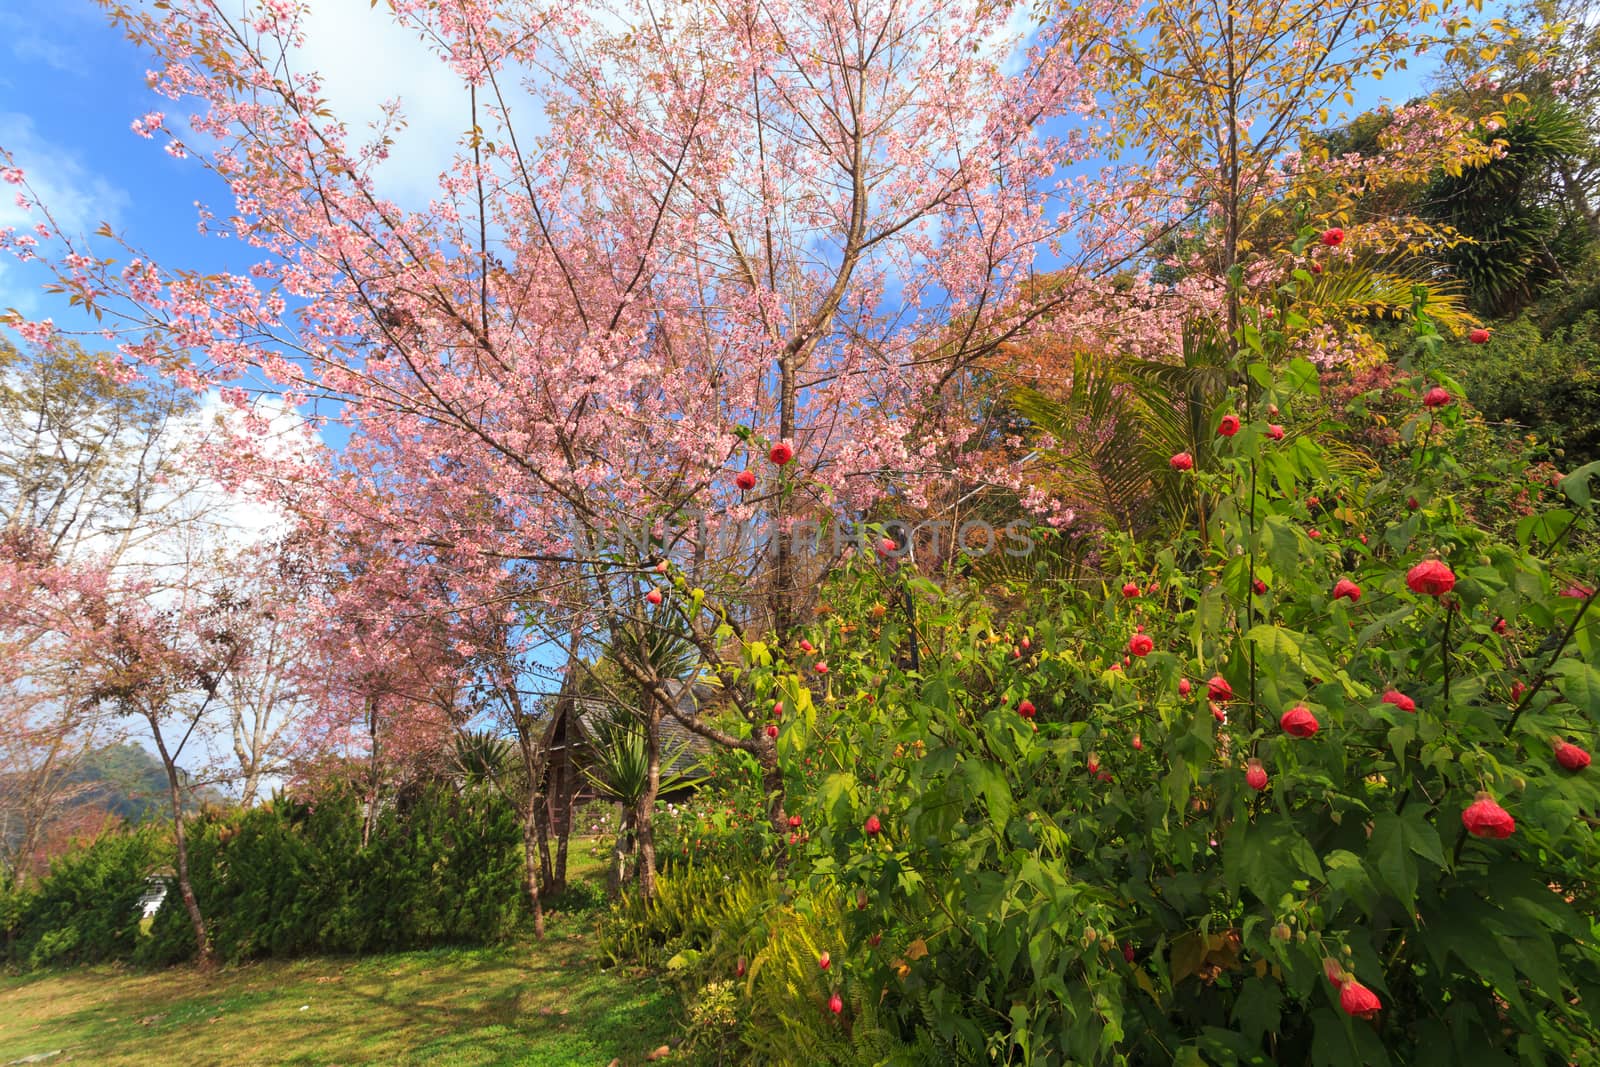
column 1316, row 268
column 1431, row 577
column 1094, row 763
column 1131, row 589
column 1485, row 818
column 1400, row 700
column 1127, row 951
column 746, row 480
column 1480, row 336
column 1184, row 687
column 1228, row 426
column 1344, row 587
column 1259, row 586
column 1137, row 744
column 886, row 547
column 1219, row 689
column 739, row 968
column 1577, row 592
column 1359, row 1001
column 1217, row 712
column 1314, row 534
column 835, row 1005
column 875, row 939
column 824, row 961
column 780, row 454
column 1571, row 756
column 1517, row 689
column 777, row 709
column 1411, row 503
column 1298, row 721
column 821, row 668
column 794, row 821
column 772, row 731
column 1333, row 237
column 1275, row 431
column 807, row 647
column 1256, row 776
column 654, row 596
column 1437, row 397
column 1182, row 461
column 1500, row 626
column 1026, row 709
column 1140, row 644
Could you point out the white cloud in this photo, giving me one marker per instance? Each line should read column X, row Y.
column 365, row 58
column 78, row 198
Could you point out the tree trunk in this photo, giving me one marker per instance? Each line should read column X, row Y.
column 371, row 818
column 563, row 823
column 202, row 940
column 772, row 787
column 530, row 866
column 621, row 851
column 645, row 816
column 546, row 870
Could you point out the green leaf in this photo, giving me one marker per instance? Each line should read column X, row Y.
column 989, row 782
column 1580, row 684
column 1257, row 1009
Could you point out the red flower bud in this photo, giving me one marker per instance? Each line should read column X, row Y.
column 1517, row 689
column 777, row 709
column 1399, row 700
column 835, row 1005
column 1026, row 709
column 772, row 731
column 1316, row 268
column 1344, row 587
column 1137, row 743
column 1217, row 712
column 875, row 939
column 1130, row 589
column 1500, row 626
column 1219, row 689
column 1431, row 577
column 1359, row 1001
column 1228, row 426
column 1140, row 644
column 887, row 546
column 1182, row 461
column 1275, row 431
column 1411, row 503
column 1259, row 586
column 824, row 961
column 1127, row 951
column 746, row 480
column 780, row 454
column 654, row 596
column 1184, row 687
column 1333, row 237
column 821, row 668
column 1571, row 756
column 1298, row 721
column 1437, row 397
column 794, row 821
column 1479, row 336
column 1255, row 775
column 1094, row 763
column 873, row 825
column 806, row 646
column 1484, row 818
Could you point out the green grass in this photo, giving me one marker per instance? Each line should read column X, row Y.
column 538, row 1003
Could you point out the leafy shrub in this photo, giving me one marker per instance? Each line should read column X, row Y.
column 86, row 909
column 291, row 878
column 1099, row 880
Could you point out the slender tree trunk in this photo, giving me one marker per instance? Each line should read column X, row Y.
column 772, row 786
column 181, row 847
column 563, row 821
column 370, row 818
column 620, row 852
column 644, row 818
column 547, row 872
column 530, row 866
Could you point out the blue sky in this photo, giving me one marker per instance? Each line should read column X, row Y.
column 70, row 85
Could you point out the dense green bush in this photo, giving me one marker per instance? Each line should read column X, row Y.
column 1102, row 829
column 290, row 878
column 86, row 909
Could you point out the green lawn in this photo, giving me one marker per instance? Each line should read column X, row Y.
column 539, row 1003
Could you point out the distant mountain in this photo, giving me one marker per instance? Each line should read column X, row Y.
column 130, row 782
